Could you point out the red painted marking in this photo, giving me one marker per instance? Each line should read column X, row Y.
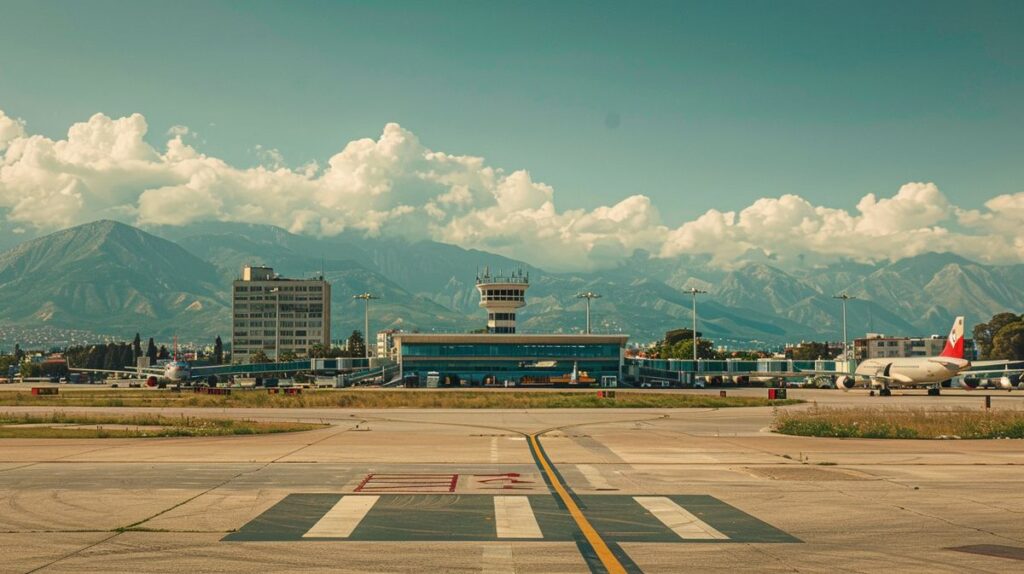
column 408, row 482
column 510, row 478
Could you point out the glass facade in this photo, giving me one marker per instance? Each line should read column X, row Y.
column 475, row 363
column 526, row 351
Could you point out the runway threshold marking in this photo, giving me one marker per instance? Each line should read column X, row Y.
column 610, row 562
column 407, row 482
column 486, row 518
column 342, row 518
column 678, row 519
column 513, row 518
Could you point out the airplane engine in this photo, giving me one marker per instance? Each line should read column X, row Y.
column 844, row 382
column 1008, row 382
column 970, row 383
column 151, row 382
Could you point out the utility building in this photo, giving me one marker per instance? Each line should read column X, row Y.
column 278, row 315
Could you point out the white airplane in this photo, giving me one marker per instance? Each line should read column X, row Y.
column 918, row 371
column 174, row 372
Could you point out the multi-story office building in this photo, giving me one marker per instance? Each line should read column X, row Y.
column 385, row 343
column 278, row 315
column 878, row 346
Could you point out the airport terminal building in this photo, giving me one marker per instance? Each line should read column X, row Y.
column 521, row 359
column 503, row 356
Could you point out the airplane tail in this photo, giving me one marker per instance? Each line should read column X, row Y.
column 955, row 342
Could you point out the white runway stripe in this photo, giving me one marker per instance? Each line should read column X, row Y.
column 342, row 518
column 678, row 519
column 494, row 449
column 513, row 518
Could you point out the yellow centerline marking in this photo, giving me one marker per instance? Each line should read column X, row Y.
column 610, row 562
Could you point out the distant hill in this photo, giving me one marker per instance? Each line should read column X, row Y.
column 108, row 276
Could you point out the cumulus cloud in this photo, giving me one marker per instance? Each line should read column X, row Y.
column 918, row 219
column 396, row 186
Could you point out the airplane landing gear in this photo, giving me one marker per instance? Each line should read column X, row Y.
column 934, row 391
column 885, row 392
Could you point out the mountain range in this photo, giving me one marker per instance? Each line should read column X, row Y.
column 110, row 277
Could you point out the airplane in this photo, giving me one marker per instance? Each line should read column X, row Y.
column 175, row 371
column 919, row 371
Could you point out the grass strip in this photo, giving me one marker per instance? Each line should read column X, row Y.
column 386, row 399
column 135, row 426
column 957, row 423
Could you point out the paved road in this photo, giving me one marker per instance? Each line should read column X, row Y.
column 517, row 491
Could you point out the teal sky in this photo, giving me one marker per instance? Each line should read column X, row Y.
column 697, row 105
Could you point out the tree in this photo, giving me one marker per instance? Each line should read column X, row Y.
column 985, row 333
column 151, row 351
column 218, row 351
column 31, row 370
column 318, row 351
column 53, row 369
column 163, row 354
column 356, row 345
column 19, row 355
column 809, row 351
column 1009, row 342
column 676, row 336
column 287, row 356
column 259, row 357
column 136, row 347
column 684, row 350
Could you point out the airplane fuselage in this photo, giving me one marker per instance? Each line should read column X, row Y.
column 177, row 371
column 911, row 371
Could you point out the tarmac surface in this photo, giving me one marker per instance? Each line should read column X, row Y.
column 644, row 490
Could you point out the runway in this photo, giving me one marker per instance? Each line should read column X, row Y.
column 642, row 490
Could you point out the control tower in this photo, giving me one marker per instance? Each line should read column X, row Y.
column 501, row 295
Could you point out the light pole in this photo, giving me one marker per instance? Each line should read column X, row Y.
column 693, row 291
column 588, row 296
column 366, row 319
column 277, row 324
column 844, row 298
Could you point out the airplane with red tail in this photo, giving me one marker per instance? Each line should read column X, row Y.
column 882, row 373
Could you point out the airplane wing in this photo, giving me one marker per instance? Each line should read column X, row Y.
column 992, row 371
column 134, row 373
column 995, row 363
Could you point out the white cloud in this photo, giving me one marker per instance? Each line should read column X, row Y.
column 10, row 129
column 394, row 185
column 918, row 219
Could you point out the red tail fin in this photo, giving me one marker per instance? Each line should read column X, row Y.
column 955, row 342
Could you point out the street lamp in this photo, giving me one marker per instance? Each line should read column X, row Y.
column 366, row 319
column 844, row 298
column 693, row 291
column 588, row 296
column 277, row 324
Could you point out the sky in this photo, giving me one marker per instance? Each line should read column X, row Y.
column 593, row 128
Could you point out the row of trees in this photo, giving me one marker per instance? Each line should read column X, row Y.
column 1002, row 337
column 355, row 346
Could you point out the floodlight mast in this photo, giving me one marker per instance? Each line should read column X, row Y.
column 844, row 298
column 693, row 291
column 588, row 296
column 366, row 297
